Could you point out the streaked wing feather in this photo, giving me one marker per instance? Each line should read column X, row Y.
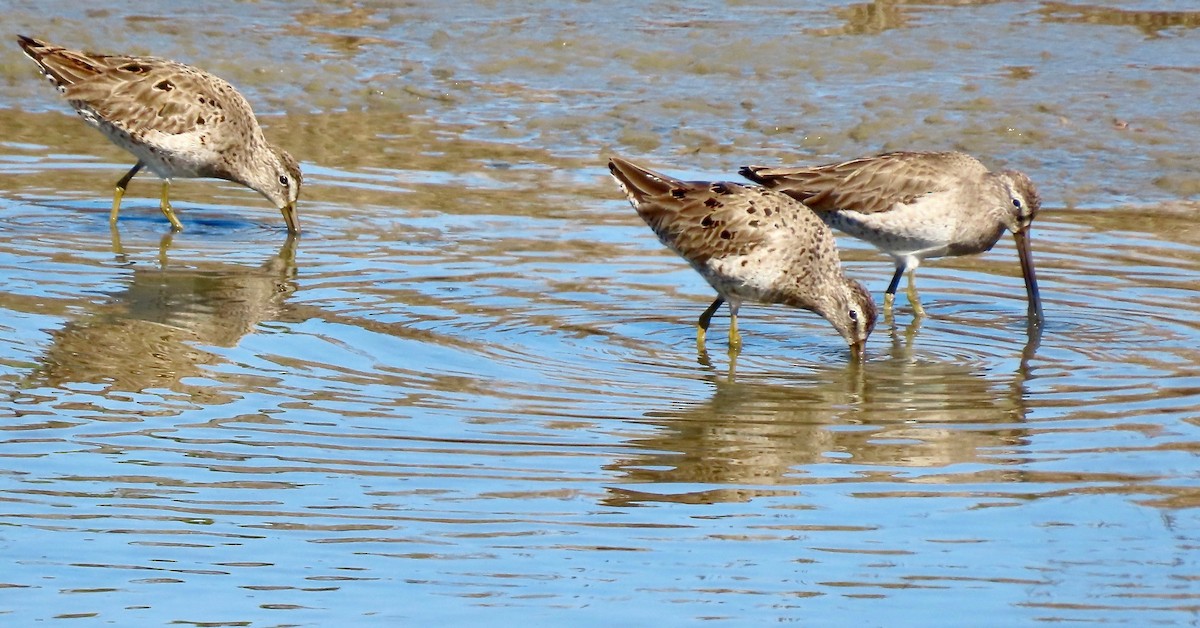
column 141, row 95
column 867, row 185
column 702, row 220
column 65, row 67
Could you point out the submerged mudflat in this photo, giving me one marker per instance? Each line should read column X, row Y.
column 469, row 391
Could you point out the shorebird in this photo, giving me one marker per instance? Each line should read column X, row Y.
column 750, row 244
column 918, row 205
column 179, row 121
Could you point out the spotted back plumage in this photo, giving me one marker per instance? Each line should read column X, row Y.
column 149, row 98
column 869, row 184
column 750, row 243
column 178, row 120
column 701, row 220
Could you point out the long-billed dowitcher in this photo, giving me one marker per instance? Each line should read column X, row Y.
column 750, row 244
column 178, row 120
column 917, row 205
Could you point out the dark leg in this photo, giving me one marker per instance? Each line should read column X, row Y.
column 889, row 297
column 705, row 319
column 121, row 185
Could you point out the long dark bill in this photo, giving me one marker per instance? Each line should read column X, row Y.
column 1031, row 287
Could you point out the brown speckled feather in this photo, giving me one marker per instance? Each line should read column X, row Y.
column 701, row 220
column 141, row 96
column 750, row 244
column 868, row 185
column 179, row 121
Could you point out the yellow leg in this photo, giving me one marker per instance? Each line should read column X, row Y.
column 165, row 205
column 120, row 193
column 735, row 338
column 889, row 299
column 913, row 299
column 705, row 319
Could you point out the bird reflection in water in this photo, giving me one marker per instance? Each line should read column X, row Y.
column 755, row 438
column 151, row 334
column 902, row 342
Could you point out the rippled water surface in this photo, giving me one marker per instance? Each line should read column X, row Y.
column 469, row 392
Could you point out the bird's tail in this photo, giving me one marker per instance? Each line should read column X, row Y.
column 641, row 183
column 63, row 67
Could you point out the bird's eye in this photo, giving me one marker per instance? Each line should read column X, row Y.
column 1017, row 203
column 283, row 180
column 853, row 316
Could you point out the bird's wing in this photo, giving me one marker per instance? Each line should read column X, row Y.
column 141, row 96
column 869, row 184
column 702, row 220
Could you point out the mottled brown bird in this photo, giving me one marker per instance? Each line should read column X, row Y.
column 178, row 120
column 750, row 244
column 914, row 205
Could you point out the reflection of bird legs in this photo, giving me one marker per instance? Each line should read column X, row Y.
column 164, row 244
column 910, row 333
column 117, row 249
column 702, row 357
column 703, row 360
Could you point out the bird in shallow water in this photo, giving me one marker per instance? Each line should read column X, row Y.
column 918, row 205
column 750, row 244
column 179, row 121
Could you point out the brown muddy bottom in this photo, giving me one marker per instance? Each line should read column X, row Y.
column 469, row 391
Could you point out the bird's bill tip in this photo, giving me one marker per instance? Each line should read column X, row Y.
column 289, row 216
column 858, row 350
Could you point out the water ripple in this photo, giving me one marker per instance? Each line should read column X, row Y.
column 473, row 379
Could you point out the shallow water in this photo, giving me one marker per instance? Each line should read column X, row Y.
column 469, row 391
